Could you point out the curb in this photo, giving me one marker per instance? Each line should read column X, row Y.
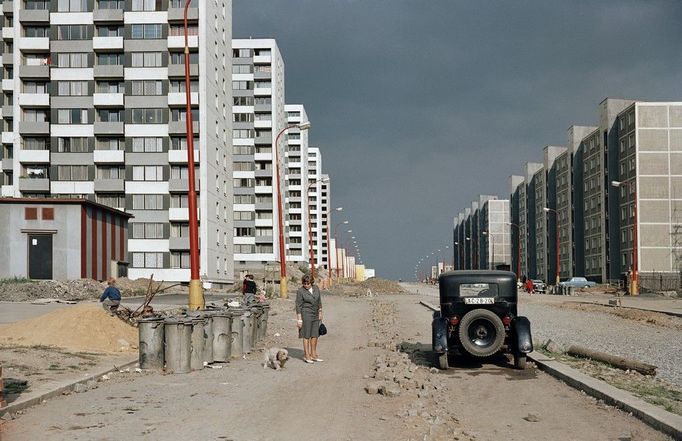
column 660, row 311
column 29, row 401
column 659, row 419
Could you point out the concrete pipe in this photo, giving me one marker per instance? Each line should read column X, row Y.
column 247, row 335
column 178, row 344
column 198, row 342
column 151, row 343
column 222, row 336
column 237, row 337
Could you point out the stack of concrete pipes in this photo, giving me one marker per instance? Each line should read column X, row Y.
column 200, row 338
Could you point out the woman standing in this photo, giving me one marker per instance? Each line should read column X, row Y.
column 309, row 315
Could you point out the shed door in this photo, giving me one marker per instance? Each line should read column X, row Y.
column 39, row 256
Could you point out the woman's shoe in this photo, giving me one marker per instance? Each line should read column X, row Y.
column 308, row 361
column 317, row 359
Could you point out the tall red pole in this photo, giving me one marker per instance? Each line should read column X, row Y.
column 283, row 291
column 196, row 295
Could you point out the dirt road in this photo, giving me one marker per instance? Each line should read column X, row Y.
column 327, row 401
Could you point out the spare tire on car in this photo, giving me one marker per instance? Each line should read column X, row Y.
column 481, row 332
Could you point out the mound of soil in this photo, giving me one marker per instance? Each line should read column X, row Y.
column 84, row 327
column 23, row 291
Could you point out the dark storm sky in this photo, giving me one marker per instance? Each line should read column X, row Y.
column 420, row 106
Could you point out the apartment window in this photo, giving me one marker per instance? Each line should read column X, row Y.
column 181, row 143
column 107, row 115
column 110, row 144
column 242, row 150
column 179, row 230
column 148, row 173
column 110, row 87
column 147, row 87
column 179, row 30
column 264, row 249
column 37, row 5
column 109, row 59
column 242, row 100
column 263, row 68
column 261, row 52
column 243, row 215
column 147, row 230
column 242, row 85
column 110, row 31
column 179, row 58
column 244, row 166
column 180, row 172
column 244, row 199
column 146, row 31
column 181, row 114
column 72, row 145
column 261, row 232
column 148, row 260
column 179, row 259
column 35, row 144
column 110, row 172
column 34, row 115
column 76, row 59
column 72, row 88
column 147, row 145
column 263, row 100
column 242, row 117
column 180, row 201
column 36, row 31
column 244, row 232
column 242, row 53
column 72, row 32
column 35, row 60
column 146, row 59
column 34, row 87
column 110, row 4
column 244, row 249
column 243, row 183
column 148, row 116
column 181, row 4
column 243, row 133
column 72, row 5
column 242, row 68
column 146, row 5
column 35, row 172
column 111, row 200
column 293, row 135
column 263, row 84
column 148, row 202
column 177, row 86
column 72, row 173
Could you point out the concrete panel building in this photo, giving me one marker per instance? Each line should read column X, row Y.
column 296, row 200
column 314, row 197
column 515, row 232
column 528, row 216
column 547, row 222
column 94, row 107
column 62, row 239
column 322, row 252
column 495, row 235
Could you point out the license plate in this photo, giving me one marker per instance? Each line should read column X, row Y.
column 479, row 301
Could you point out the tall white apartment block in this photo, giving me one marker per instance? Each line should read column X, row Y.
column 93, row 105
column 322, row 251
column 258, row 116
column 296, row 201
column 315, row 177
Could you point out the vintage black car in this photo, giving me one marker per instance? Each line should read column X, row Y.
column 478, row 317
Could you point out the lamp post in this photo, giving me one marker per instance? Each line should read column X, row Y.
column 311, row 251
column 518, row 250
column 556, row 218
column 329, row 257
column 283, row 293
column 634, row 286
column 196, row 292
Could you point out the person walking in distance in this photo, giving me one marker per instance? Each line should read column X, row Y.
column 249, row 289
column 308, row 318
column 111, row 297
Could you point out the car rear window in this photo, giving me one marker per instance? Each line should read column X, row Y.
column 478, row 290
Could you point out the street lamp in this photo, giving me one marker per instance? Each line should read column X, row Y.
column 518, row 250
column 556, row 218
column 329, row 257
column 283, row 293
column 311, row 250
column 634, row 286
column 196, row 292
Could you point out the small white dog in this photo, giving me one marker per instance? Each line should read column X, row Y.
column 275, row 358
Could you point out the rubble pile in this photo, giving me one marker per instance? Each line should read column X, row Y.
column 395, row 373
column 368, row 288
column 23, row 291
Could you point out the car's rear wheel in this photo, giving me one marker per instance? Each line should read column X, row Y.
column 481, row 333
column 442, row 361
column 520, row 361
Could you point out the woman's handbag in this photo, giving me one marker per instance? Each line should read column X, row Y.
column 323, row 329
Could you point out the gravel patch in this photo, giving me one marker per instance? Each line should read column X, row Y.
column 656, row 345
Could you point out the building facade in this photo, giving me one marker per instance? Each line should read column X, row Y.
column 94, row 107
column 296, row 201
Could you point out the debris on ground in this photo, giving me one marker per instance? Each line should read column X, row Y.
column 639, row 315
column 85, row 327
column 368, row 288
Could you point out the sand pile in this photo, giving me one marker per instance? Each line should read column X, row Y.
column 78, row 328
column 22, row 290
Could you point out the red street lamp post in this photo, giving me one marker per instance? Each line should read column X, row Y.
column 556, row 217
column 310, row 228
column 283, row 292
column 196, row 294
column 634, row 286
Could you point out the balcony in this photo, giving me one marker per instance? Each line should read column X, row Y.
column 34, row 156
column 108, row 128
column 178, row 14
column 7, row 164
column 113, row 71
column 263, row 173
column 180, row 214
column 109, row 156
column 7, row 111
column 263, row 239
column 263, row 189
column 34, row 44
column 180, row 156
column 181, row 185
column 178, row 41
column 34, row 185
column 34, row 16
column 34, row 128
column 7, row 58
column 8, row 7
column 178, row 70
column 108, row 15
column 179, row 127
column 8, row 33
column 178, row 243
column 107, row 99
column 262, row 59
column 263, row 206
column 34, row 100
column 178, row 99
column 38, row 72
column 109, row 185
column 7, row 137
column 262, row 157
column 107, row 43
column 8, row 84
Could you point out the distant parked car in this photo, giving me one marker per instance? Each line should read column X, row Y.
column 578, row 282
column 539, row 285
